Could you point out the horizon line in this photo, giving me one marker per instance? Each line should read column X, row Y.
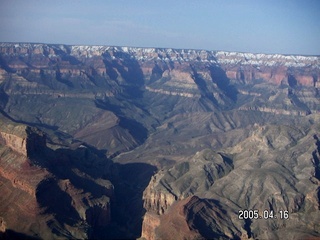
column 174, row 48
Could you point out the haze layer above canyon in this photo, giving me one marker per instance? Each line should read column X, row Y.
column 119, row 142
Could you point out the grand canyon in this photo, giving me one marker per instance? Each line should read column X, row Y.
column 106, row 142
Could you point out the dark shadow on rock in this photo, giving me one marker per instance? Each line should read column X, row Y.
column 10, row 235
column 292, row 81
column 211, row 229
column 318, row 195
column 63, row 164
column 247, row 227
column 296, row 101
column 128, row 208
column 316, row 158
column 110, row 70
column 130, row 71
column 4, row 98
column 5, row 66
column 136, row 129
column 62, row 161
column 228, row 160
column 64, row 53
column 71, row 59
column 219, row 77
column 129, row 182
column 202, row 86
column 156, row 74
column 62, row 80
column 38, row 125
column 56, row 202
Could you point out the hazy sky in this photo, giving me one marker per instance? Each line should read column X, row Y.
column 269, row 26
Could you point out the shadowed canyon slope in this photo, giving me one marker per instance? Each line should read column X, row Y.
column 120, row 142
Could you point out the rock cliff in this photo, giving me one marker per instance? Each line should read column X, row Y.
column 31, row 173
column 196, row 175
column 14, row 136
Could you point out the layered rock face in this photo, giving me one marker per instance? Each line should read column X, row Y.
column 31, row 174
column 16, row 143
column 161, row 193
column 194, row 137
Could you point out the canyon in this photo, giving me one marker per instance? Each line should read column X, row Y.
column 112, row 142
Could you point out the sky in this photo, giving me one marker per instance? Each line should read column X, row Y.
column 258, row 26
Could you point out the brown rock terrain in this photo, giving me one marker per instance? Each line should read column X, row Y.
column 35, row 197
column 168, row 226
column 192, row 218
column 19, row 179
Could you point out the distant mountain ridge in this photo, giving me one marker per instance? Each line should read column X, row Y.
column 169, row 54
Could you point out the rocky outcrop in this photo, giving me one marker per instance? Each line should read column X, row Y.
column 168, row 226
column 18, row 181
column 2, row 226
column 192, row 218
column 150, row 223
column 14, row 136
column 273, row 68
column 22, row 139
column 46, row 189
column 16, row 143
column 99, row 213
column 170, row 187
column 211, row 219
column 182, row 94
column 157, row 201
column 19, row 178
column 96, row 211
column 275, row 111
column 184, row 180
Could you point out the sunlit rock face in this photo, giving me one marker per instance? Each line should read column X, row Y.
column 123, row 142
